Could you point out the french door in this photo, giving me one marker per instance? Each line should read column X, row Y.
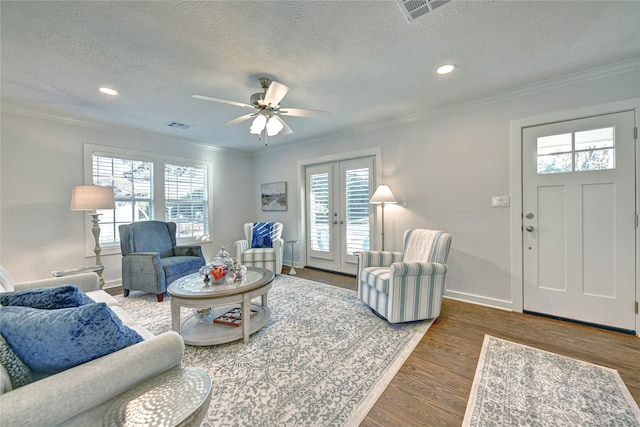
column 579, row 221
column 337, row 213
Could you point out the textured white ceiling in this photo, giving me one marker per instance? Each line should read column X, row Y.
column 361, row 60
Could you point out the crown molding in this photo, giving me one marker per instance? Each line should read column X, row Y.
column 93, row 124
column 529, row 89
column 515, row 92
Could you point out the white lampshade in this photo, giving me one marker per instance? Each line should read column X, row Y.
column 274, row 126
column 258, row 124
column 383, row 194
column 92, row 197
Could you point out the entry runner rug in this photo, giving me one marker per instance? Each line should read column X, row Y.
column 516, row 385
column 323, row 359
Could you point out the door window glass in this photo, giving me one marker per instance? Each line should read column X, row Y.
column 319, row 215
column 579, row 151
column 357, row 211
column 594, row 149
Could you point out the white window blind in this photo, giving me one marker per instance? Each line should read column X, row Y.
column 319, row 205
column 186, row 200
column 357, row 209
column 132, row 182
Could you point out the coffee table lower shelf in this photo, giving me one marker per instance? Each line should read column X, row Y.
column 195, row 332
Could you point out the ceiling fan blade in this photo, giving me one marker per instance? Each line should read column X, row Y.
column 224, row 101
column 286, row 130
column 303, row 112
column 275, row 93
column 240, row 119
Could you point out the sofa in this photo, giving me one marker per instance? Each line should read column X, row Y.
column 81, row 395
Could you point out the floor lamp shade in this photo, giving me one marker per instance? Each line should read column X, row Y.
column 92, row 197
column 383, row 195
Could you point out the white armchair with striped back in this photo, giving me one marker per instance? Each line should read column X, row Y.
column 408, row 285
column 262, row 246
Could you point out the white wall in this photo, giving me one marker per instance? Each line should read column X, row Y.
column 447, row 167
column 42, row 160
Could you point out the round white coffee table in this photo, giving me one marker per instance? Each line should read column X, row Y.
column 191, row 291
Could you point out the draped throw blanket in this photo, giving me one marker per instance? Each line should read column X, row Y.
column 419, row 244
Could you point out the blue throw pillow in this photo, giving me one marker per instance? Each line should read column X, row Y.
column 262, row 235
column 46, row 298
column 50, row 341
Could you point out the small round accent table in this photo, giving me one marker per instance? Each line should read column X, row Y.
column 292, row 270
column 177, row 397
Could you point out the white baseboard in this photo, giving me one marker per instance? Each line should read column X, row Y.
column 112, row 284
column 480, row 300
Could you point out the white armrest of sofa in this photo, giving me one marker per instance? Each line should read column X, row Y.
column 81, row 395
column 86, row 282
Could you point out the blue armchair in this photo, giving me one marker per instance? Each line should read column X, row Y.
column 408, row 285
column 150, row 258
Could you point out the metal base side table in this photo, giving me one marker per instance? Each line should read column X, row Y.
column 177, row 397
column 292, row 270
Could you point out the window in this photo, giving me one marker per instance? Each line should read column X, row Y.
column 132, row 182
column 148, row 187
column 580, row 151
column 186, row 201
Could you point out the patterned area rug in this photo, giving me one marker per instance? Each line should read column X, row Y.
column 323, row 359
column 516, row 385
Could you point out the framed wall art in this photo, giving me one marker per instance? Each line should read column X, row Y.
column 274, row 196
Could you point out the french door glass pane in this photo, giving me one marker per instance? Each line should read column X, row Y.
column 357, row 209
column 319, row 215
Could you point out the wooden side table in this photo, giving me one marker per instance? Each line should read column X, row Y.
column 98, row 269
column 177, row 397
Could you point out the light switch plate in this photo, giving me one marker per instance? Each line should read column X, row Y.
column 499, row 201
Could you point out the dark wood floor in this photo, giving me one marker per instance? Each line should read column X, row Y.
column 432, row 387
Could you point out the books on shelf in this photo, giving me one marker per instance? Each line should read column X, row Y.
column 233, row 317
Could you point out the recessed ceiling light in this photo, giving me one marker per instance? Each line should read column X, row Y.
column 108, row 91
column 446, row 69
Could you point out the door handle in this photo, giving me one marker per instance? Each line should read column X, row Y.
column 529, row 228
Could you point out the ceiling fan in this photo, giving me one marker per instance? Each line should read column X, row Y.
column 267, row 110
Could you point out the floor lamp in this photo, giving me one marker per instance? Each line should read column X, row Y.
column 382, row 196
column 91, row 198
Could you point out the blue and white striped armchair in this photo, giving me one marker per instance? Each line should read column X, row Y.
column 254, row 251
column 408, row 285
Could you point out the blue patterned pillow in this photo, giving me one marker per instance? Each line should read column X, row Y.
column 50, row 341
column 262, row 235
column 46, row 298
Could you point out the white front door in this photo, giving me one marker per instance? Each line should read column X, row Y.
column 338, row 219
column 579, row 221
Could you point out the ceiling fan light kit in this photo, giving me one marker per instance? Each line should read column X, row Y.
column 266, row 117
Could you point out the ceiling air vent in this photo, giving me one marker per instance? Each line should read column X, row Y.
column 415, row 8
column 179, row 125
